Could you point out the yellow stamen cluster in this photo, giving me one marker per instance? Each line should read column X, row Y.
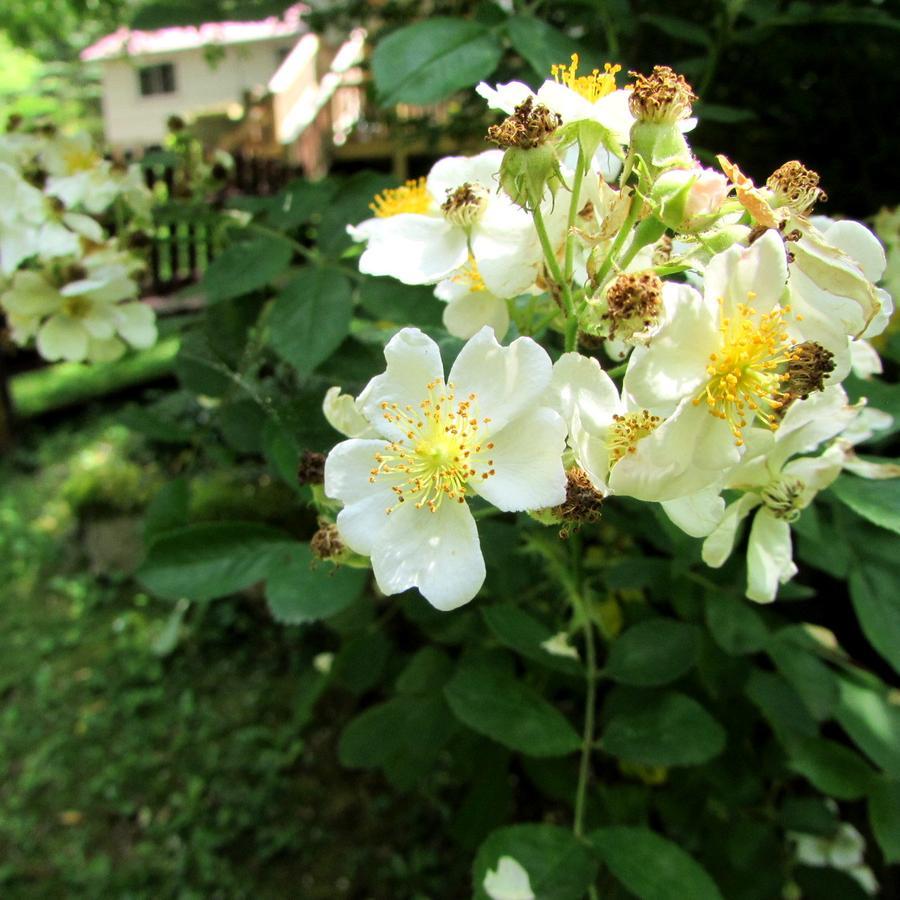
column 77, row 307
column 411, row 197
column 746, row 375
column 782, row 499
column 441, row 451
column 78, row 159
column 627, row 430
column 592, row 87
column 470, row 277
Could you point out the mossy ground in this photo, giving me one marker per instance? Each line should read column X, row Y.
column 157, row 751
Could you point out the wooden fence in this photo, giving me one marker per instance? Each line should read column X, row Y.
column 185, row 237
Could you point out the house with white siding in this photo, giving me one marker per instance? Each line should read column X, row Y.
column 216, row 67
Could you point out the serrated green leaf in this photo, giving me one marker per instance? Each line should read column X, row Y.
column 542, row 45
column 559, row 866
column 875, row 593
column 868, row 716
column 808, row 675
column 519, row 631
column 304, row 590
column 246, row 266
column 735, row 625
column 167, row 510
column 780, row 704
column 884, row 815
column 834, row 770
column 388, row 300
column 426, row 62
column 878, row 501
column 729, row 115
column 360, row 663
column 676, row 27
column 402, row 736
column 652, row 867
column 202, row 562
column 669, row 729
column 425, row 673
column 310, row 318
column 653, row 652
column 510, row 712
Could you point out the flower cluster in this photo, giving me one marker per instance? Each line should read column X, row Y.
column 736, row 310
column 63, row 281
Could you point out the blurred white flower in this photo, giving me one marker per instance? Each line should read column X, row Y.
column 509, row 881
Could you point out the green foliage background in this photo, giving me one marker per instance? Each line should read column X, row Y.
column 722, row 727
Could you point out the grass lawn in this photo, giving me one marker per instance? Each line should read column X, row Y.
column 159, row 751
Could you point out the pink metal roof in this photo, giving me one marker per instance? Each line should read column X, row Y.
column 126, row 42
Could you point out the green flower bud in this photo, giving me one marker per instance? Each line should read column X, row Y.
column 689, row 200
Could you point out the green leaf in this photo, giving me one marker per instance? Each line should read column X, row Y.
column 668, row 729
column 652, row 867
column 403, row 737
column 679, row 28
column 361, row 661
column 729, row 115
column 246, row 266
column 809, row 815
column 202, row 562
column 780, row 704
column 282, row 452
column 884, row 816
column 735, row 626
column 875, row 593
column 302, row 590
column 878, row 501
column 653, row 652
column 425, row 673
column 873, row 722
column 402, row 304
column 350, row 204
column 167, row 510
column 519, row 631
column 809, row 676
column 541, row 45
column 428, row 61
column 299, row 202
column 831, row 768
column 198, row 368
column 510, row 712
column 310, row 318
column 559, row 866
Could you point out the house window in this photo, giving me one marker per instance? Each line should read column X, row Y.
column 159, row 79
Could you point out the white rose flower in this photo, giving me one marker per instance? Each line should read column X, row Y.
column 777, row 486
column 85, row 319
column 470, row 305
column 427, row 230
column 509, row 881
column 833, row 276
column 79, row 176
column 482, row 431
column 575, row 98
column 718, row 361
